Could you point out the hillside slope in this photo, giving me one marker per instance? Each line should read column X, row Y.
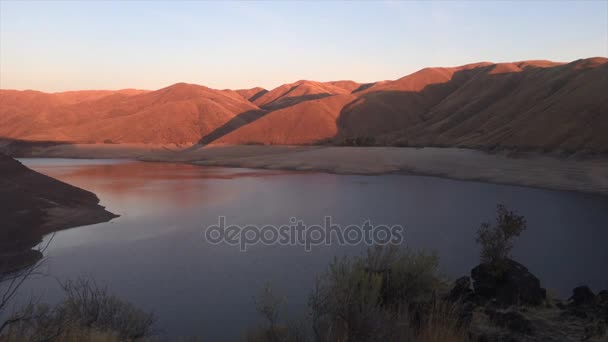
column 525, row 105
column 178, row 114
column 528, row 105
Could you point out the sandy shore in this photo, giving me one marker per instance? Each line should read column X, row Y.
column 571, row 174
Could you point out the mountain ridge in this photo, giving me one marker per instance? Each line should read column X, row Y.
column 535, row 104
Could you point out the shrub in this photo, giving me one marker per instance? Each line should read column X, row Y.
column 88, row 310
column 497, row 240
column 269, row 305
column 371, row 298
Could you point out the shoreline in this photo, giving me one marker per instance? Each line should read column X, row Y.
column 35, row 205
column 583, row 175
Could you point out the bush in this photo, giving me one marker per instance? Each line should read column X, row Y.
column 87, row 310
column 269, row 305
column 371, row 298
column 497, row 240
column 91, row 306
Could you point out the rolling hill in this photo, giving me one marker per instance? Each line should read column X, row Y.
column 178, row 114
column 539, row 105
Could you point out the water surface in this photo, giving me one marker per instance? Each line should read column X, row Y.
column 154, row 254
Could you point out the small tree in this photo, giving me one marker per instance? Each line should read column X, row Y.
column 497, row 240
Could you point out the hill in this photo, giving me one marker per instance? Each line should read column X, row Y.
column 178, row 114
column 527, row 105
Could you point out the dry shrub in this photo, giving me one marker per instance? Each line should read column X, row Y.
column 442, row 324
column 88, row 313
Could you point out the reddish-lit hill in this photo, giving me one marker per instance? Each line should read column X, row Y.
column 252, row 94
column 179, row 114
column 349, row 86
column 71, row 97
column 294, row 93
column 522, row 105
column 306, row 122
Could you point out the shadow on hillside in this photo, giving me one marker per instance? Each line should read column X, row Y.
column 252, row 115
column 290, row 101
column 363, row 87
column 484, row 112
column 236, row 122
column 257, row 95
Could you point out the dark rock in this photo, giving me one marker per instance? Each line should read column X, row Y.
column 602, row 297
column 511, row 320
column 465, row 316
column 578, row 312
column 602, row 300
column 509, row 284
column 595, row 329
column 582, row 295
column 461, row 291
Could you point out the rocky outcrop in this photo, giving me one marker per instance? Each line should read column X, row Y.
column 461, row 290
column 507, row 303
column 582, row 295
column 512, row 320
column 509, row 284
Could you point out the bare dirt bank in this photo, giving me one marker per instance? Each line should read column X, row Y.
column 33, row 205
column 588, row 174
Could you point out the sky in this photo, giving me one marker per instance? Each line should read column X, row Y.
column 73, row 45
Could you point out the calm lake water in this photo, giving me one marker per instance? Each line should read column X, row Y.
column 155, row 256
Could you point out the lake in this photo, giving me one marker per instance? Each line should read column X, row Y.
column 155, row 254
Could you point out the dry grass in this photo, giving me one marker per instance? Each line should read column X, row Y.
column 70, row 335
column 442, row 324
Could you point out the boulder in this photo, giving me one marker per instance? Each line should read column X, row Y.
column 582, row 295
column 602, row 297
column 511, row 320
column 509, row 284
column 461, row 290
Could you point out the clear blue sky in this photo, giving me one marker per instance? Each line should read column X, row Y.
column 55, row 46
